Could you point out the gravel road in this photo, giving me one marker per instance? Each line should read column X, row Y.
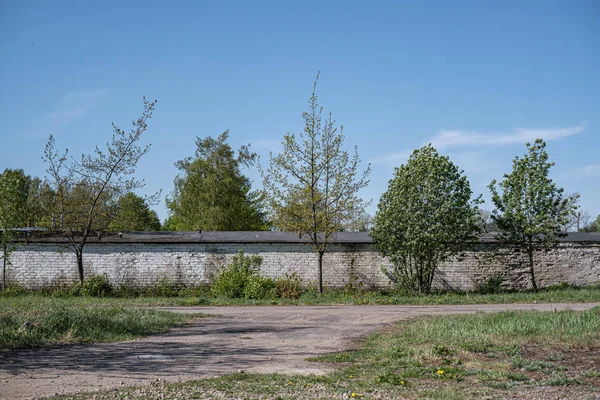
column 252, row 339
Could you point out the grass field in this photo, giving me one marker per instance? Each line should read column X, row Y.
column 35, row 321
column 330, row 297
column 503, row 355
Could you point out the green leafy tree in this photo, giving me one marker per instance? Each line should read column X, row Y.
column 133, row 214
column 14, row 188
column 593, row 226
column 530, row 210
column 425, row 217
column 212, row 194
column 83, row 191
column 312, row 185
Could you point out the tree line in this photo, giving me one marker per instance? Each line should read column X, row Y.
column 427, row 215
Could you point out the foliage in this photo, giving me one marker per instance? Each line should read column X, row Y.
column 312, row 185
column 530, row 210
column 354, row 284
column 14, row 289
column 425, row 217
column 14, row 189
column 289, row 286
column 260, row 287
column 232, row 280
column 212, row 194
column 492, row 285
column 593, row 226
column 134, row 214
column 97, row 286
column 83, row 190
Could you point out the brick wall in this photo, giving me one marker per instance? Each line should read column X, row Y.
column 35, row 265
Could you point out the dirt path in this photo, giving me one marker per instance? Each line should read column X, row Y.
column 252, row 339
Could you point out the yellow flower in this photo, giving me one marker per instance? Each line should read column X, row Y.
column 440, row 372
column 402, row 382
column 353, row 394
column 291, row 383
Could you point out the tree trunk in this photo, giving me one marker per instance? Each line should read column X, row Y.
column 320, row 272
column 79, row 256
column 531, row 270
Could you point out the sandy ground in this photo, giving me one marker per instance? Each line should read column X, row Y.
column 253, row 339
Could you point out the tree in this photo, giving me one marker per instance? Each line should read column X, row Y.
column 212, row 194
column 84, row 189
column 530, row 210
column 312, row 185
column 489, row 224
column 133, row 214
column 14, row 188
column 364, row 222
column 593, row 226
column 425, row 217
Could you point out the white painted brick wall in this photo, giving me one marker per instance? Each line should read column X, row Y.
column 37, row 265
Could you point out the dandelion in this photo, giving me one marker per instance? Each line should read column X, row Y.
column 440, row 372
column 291, row 383
column 402, row 382
column 353, row 394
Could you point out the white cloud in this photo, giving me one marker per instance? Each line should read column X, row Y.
column 454, row 138
column 448, row 139
column 588, row 171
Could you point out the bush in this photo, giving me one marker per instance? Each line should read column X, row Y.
column 97, row 286
column 492, row 285
column 290, row 286
column 232, row 279
column 13, row 289
column 260, row 287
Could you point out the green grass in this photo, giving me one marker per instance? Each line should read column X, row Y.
column 191, row 297
column 52, row 321
column 449, row 357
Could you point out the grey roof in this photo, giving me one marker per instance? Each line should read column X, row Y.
column 246, row 237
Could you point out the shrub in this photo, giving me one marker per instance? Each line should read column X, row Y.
column 232, row 279
column 492, row 285
column 13, row 289
column 260, row 287
column 354, row 284
column 97, row 286
column 290, row 286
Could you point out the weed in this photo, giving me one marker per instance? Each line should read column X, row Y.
column 290, row 286
column 561, row 380
column 493, row 285
column 97, row 286
column 260, row 287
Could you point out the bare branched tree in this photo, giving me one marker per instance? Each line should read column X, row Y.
column 83, row 189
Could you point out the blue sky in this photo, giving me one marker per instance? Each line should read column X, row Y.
column 477, row 79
